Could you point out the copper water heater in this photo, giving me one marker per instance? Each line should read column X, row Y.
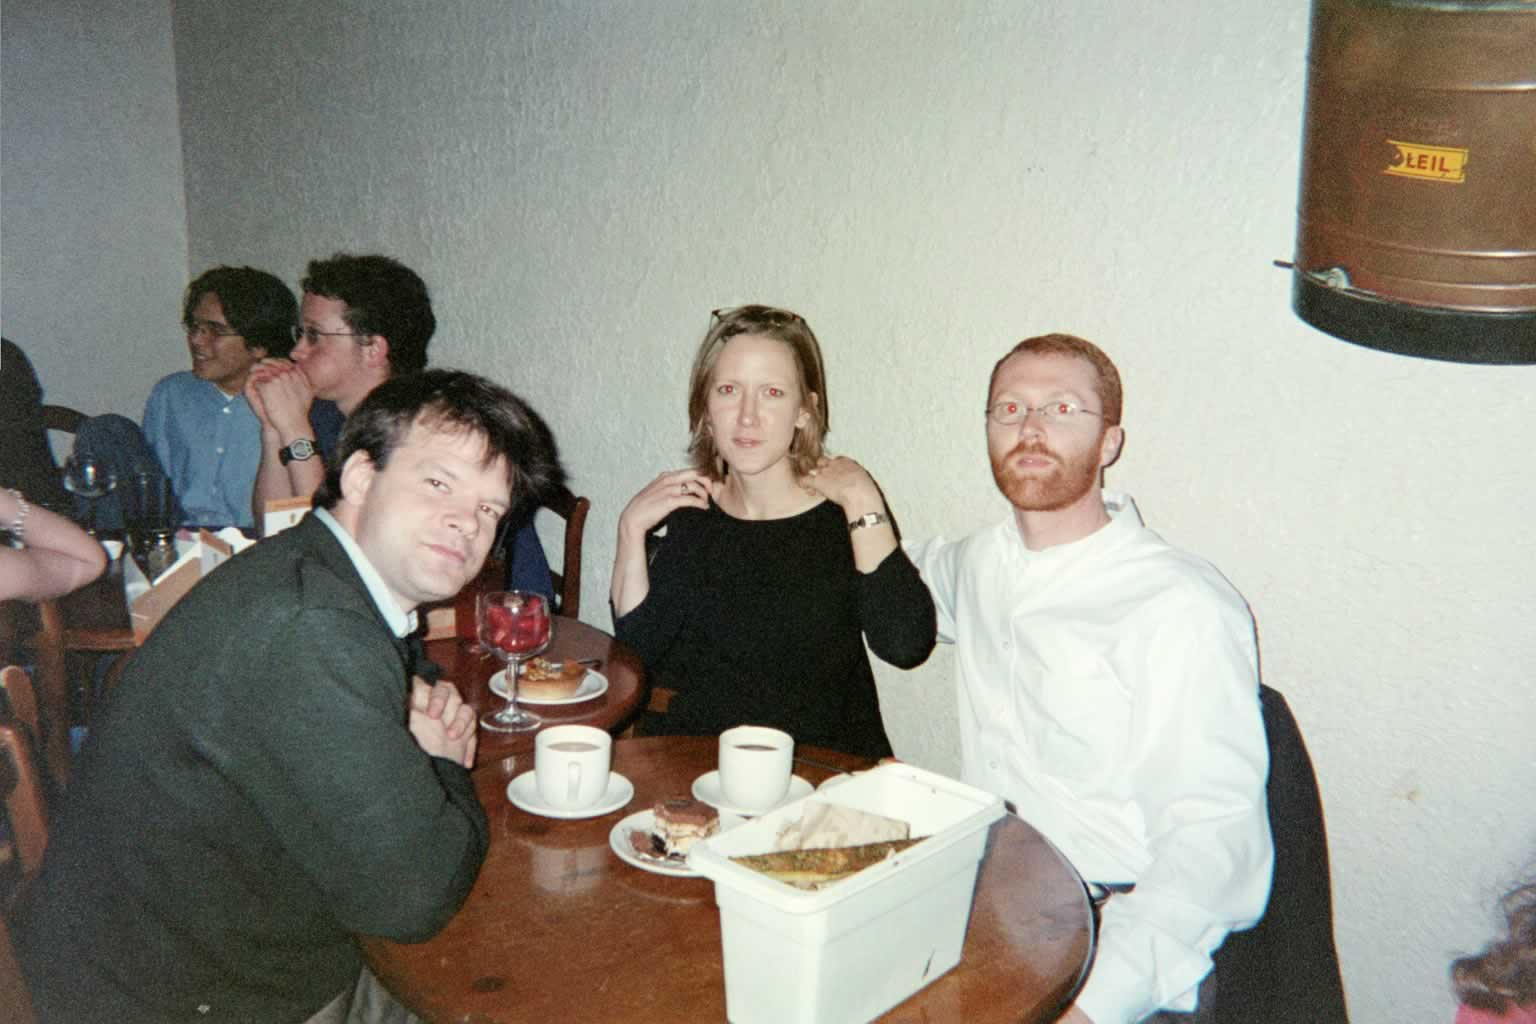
column 1416, row 230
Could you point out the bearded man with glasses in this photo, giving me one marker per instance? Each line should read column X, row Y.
column 1109, row 690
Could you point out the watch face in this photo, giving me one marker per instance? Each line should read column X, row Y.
column 299, row 451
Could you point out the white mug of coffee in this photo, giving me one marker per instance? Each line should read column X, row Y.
column 754, row 766
column 570, row 764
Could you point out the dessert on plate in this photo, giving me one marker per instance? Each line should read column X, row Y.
column 543, row 679
column 677, row 823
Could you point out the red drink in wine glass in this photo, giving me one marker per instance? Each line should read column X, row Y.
column 513, row 625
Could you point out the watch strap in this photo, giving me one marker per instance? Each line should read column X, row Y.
column 868, row 519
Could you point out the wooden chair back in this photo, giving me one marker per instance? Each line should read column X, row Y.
column 52, row 688
column 15, row 1002
column 20, row 698
column 62, row 418
column 573, row 510
column 21, row 792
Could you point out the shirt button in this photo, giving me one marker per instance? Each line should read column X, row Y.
column 219, row 450
column 226, row 410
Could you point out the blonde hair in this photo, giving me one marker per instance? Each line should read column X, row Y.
column 768, row 322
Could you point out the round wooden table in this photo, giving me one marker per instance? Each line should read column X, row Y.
column 463, row 664
column 558, row 928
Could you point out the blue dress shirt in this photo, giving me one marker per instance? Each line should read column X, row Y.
column 209, row 444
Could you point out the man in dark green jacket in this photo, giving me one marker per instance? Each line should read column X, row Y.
column 268, row 781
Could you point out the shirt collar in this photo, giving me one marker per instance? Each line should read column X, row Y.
column 401, row 623
column 1124, row 519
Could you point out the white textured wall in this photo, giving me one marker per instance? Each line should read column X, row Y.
column 927, row 182
column 93, row 219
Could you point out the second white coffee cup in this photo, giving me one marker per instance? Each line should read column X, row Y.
column 570, row 764
column 754, row 766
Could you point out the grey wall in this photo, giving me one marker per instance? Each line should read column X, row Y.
column 93, row 222
column 928, row 182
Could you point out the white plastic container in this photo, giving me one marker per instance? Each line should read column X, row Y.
column 852, row 950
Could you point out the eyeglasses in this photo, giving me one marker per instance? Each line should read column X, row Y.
column 212, row 328
column 313, row 336
column 762, row 314
column 1008, row 414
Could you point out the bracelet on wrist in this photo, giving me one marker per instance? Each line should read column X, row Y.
column 18, row 527
column 868, row 519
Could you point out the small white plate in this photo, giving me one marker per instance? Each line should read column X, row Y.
column 641, row 821
column 523, row 791
column 707, row 788
column 594, row 684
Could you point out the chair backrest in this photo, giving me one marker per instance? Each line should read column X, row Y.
column 52, row 689
column 26, row 810
column 20, row 698
column 15, row 1003
column 1286, row 967
column 567, row 581
column 62, row 418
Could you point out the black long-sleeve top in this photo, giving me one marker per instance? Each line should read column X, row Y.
column 763, row 622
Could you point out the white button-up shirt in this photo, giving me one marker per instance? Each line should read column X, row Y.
column 1109, row 691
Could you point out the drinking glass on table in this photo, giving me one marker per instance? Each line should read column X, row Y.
column 151, row 523
column 514, row 625
column 86, row 478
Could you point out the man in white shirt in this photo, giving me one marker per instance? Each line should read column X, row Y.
column 1108, row 689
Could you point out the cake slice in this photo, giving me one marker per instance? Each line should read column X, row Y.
column 679, row 823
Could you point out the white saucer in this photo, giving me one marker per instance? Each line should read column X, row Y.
column 707, row 788
column 523, row 791
column 641, row 821
column 593, row 684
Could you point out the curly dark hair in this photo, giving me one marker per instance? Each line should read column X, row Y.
column 1503, row 975
column 384, row 297
column 257, row 304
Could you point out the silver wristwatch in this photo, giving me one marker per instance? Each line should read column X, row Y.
column 869, row 519
column 300, row 451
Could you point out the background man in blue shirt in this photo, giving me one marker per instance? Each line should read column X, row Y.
column 198, row 422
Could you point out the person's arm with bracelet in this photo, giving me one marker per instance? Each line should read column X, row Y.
column 49, row 556
column 897, row 611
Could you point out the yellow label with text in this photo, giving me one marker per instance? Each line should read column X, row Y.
column 1432, row 163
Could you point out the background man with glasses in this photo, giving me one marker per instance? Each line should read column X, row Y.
column 199, row 429
column 1108, row 689
column 363, row 319
column 198, row 422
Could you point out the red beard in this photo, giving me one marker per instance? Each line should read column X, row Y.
column 1045, row 489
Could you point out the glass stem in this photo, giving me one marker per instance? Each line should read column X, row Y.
column 513, row 671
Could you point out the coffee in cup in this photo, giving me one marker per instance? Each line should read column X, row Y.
column 755, row 766
column 570, row 764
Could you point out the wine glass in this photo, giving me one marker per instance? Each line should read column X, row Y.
column 514, row 626
column 86, row 478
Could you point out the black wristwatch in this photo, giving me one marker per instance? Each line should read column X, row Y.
column 300, row 451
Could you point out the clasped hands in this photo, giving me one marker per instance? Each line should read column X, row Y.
column 280, row 395
column 441, row 723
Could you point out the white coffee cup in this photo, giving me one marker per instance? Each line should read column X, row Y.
column 754, row 766
column 570, row 764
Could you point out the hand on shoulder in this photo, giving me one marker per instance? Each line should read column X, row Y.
column 682, row 488
column 847, row 483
